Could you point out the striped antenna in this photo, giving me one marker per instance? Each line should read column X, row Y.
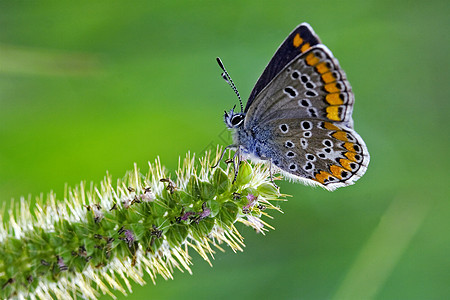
column 228, row 79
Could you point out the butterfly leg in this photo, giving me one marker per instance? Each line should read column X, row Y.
column 271, row 175
column 223, row 153
column 236, row 166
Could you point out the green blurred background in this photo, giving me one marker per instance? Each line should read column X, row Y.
column 88, row 87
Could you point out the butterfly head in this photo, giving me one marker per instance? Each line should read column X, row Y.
column 233, row 119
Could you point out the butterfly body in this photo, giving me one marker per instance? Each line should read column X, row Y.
column 299, row 116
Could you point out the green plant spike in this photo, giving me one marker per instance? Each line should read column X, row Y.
column 97, row 239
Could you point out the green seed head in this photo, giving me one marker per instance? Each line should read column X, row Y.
column 85, row 242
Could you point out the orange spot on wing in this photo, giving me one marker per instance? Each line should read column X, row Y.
column 349, row 147
column 311, row 59
column 340, row 135
column 336, row 170
column 333, row 113
column 328, row 77
column 350, row 155
column 331, row 88
column 297, row 40
column 305, row 47
column 322, row 67
column 322, row 175
column 330, row 126
column 345, row 163
column 334, row 99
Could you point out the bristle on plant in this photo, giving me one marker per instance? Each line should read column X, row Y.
column 98, row 238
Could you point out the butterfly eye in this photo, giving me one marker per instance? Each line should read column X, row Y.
column 233, row 120
column 236, row 120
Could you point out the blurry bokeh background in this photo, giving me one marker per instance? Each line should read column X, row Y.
column 87, row 88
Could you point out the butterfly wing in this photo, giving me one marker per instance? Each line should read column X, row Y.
column 300, row 115
column 312, row 85
column 299, row 41
column 317, row 152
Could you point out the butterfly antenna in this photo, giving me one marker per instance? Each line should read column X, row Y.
column 228, row 79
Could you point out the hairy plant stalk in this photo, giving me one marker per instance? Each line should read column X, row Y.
column 99, row 237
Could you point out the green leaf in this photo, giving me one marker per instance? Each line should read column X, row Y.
column 207, row 190
column 228, row 213
column 268, row 190
column 192, row 187
column 221, row 181
column 176, row 235
column 184, row 198
column 214, row 207
column 203, row 228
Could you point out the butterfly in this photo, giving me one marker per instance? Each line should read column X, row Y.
column 299, row 116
